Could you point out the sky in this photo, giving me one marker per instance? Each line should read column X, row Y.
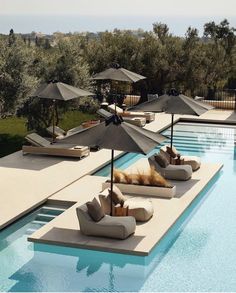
column 97, row 15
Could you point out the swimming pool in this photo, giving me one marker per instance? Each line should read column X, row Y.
column 198, row 254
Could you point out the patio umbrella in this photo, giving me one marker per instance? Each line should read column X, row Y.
column 174, row 104
column 115, row 134
column 117, row 73
column 55, row 90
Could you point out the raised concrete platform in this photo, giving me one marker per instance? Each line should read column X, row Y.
column 27, row 181
column 64, row 230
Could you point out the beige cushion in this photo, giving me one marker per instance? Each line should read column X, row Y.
column 141, row 210
column 105, row 200
column 94, row 209
column 193, row 161
column 117, row 196
column 58, row 132
column 37, row 140
column 161, row 160
column 172, row 151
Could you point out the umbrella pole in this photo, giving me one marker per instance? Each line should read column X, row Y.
column 112, row 166
column 115, row 100
column 172, row 131
column 53, row 121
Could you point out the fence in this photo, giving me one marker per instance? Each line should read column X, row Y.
column 225, row 99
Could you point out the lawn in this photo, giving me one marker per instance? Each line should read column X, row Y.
column 13, row 130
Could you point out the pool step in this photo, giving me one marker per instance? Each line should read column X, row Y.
column 30, row 231
column 45, row 217
column 42, row 223
column 52, row 210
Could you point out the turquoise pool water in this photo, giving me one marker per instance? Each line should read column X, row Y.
column 198, row 254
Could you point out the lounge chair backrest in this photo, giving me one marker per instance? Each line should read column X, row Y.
column 37, row 140
column 153, row 162
column 105, row 201
column 83, row 217
column 118, row 109
column 57, row 131
column 164, row 148
column 164, row 153
column 103, row 113
column 75, row 130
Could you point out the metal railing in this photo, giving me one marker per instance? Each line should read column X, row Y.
column 224, row 99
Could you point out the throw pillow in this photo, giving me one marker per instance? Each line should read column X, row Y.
column 172, row 151
column 117, row 196
column 161, row 160
column 94, row 210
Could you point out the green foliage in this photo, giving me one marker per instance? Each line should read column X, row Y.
column 161, row 30
column 39, row 114
column 88, row 105
column 68, row 64
column 13, row 126
column 64, row 63
column 13, row 130
column 191, row 64
column 74, row 118
column 16, row 82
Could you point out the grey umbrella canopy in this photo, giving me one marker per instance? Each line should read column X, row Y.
column 118, row 74
column 115, row 134
column 179, row 104
column 174, row 104
column 55, row 90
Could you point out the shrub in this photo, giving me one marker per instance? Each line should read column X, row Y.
column 141, row 178
column 117, row 176
column 155, row 179
column 128, row 178
column 88, row 105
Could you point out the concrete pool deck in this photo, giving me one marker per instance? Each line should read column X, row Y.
column 29, row 181
column 64, row 230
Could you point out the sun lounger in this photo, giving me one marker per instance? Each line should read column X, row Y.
column 172, row 172
column 42, row 146
column 60, row 133
column 138, row 121
column 193, row 161
column 110, row 227
column 150, row 116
